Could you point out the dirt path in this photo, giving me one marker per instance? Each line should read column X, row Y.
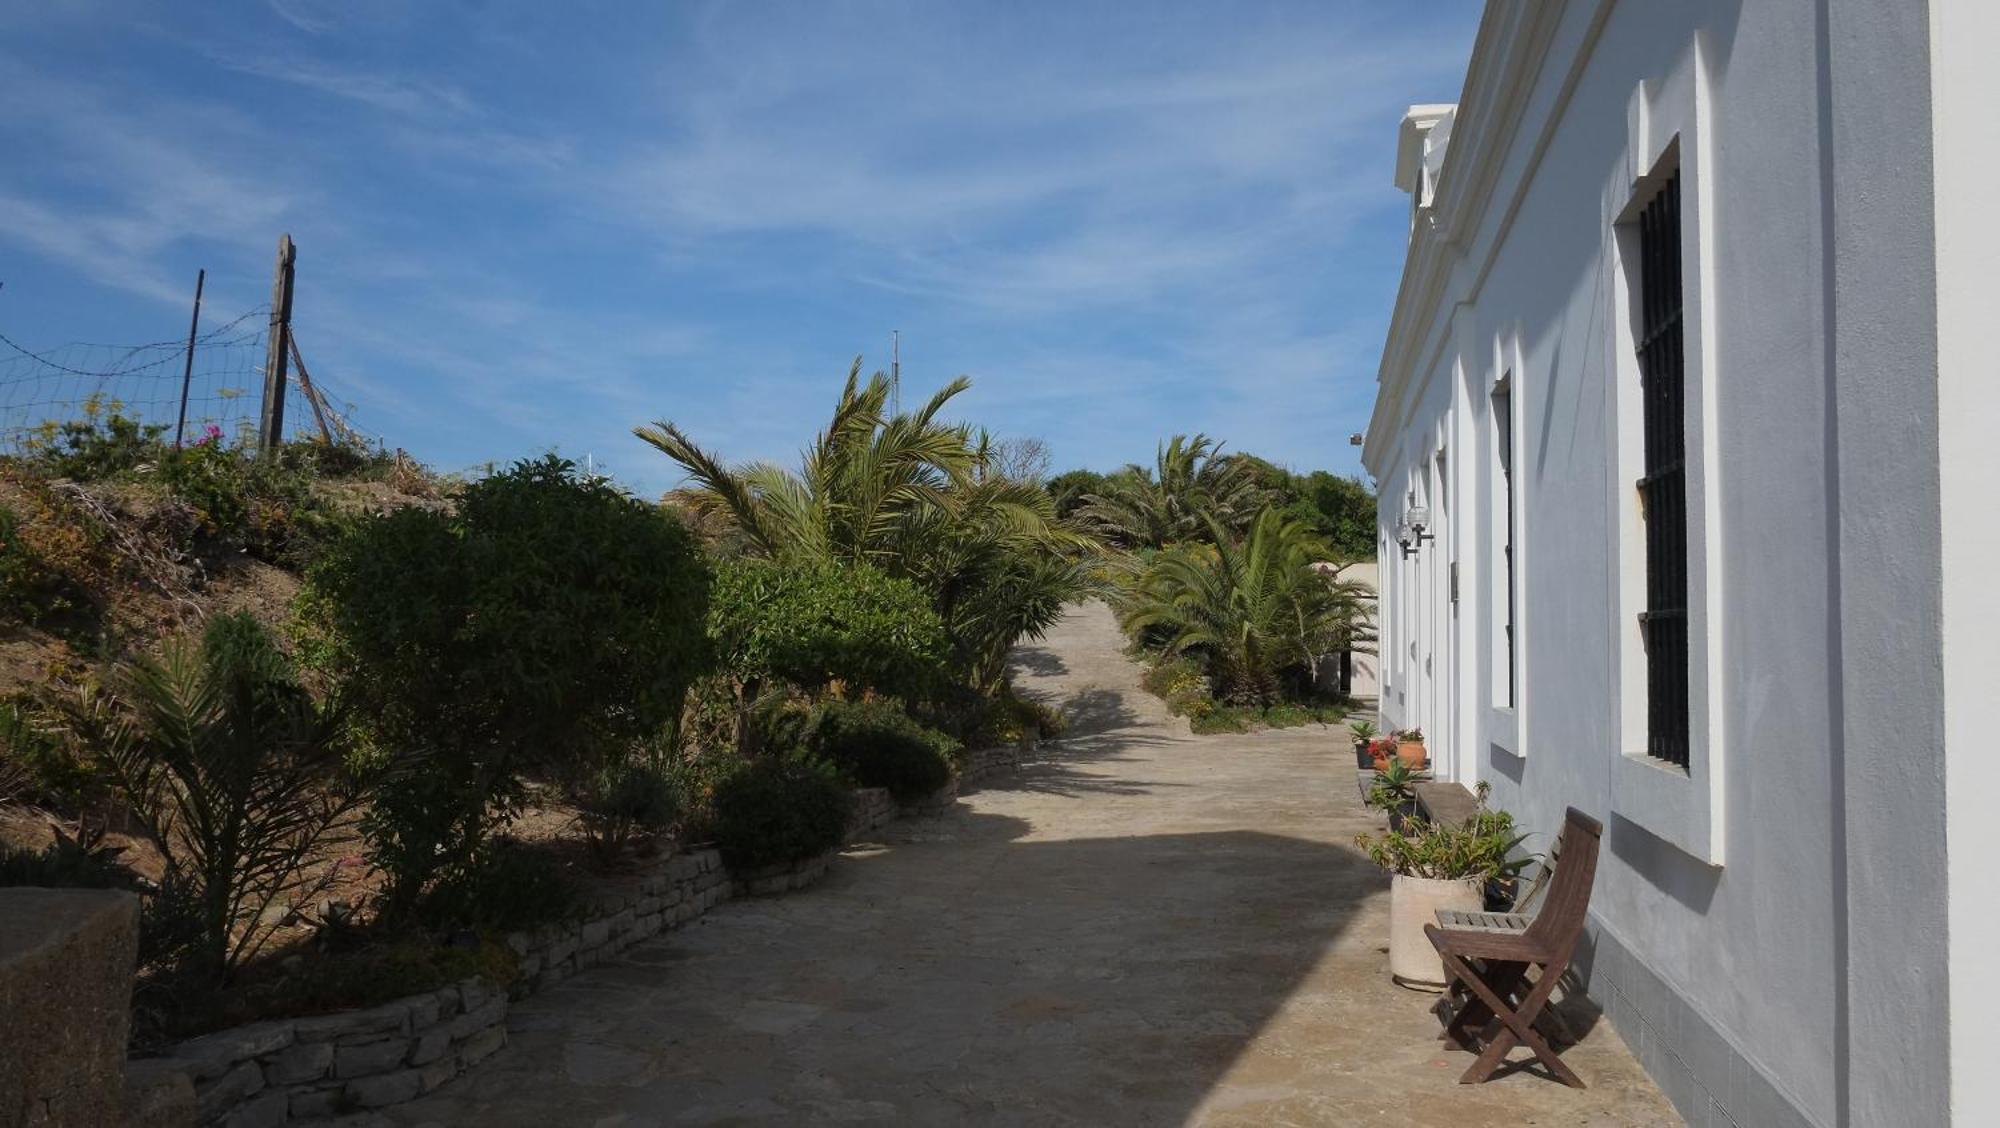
column 1149, row 928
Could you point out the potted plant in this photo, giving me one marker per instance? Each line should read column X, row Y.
column 1438, row 867
column 1410, row 748
column 1394, row 790
column 1364, row 735
column 1380, row 752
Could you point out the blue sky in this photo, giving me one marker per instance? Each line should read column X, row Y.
column 533, row 226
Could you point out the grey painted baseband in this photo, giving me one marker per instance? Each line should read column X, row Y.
column 1706, row 1077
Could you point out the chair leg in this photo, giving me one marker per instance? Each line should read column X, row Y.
column 1516, row 1022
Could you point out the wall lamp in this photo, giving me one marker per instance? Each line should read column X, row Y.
column 1414, row 530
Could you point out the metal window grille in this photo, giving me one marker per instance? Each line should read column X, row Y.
column 1663, row 489
column 1503, row 420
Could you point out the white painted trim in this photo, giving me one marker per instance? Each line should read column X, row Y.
column 1684, row 807
column 1965, row 165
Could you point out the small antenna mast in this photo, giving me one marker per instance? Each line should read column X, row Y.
column 895, row 372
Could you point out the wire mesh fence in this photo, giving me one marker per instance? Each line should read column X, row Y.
column 43, row 389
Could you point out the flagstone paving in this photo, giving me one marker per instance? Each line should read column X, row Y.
column 1149, row 927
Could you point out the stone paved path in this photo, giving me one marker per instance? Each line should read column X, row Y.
column 1149, row 928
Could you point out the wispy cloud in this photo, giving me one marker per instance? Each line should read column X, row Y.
column 524, row 227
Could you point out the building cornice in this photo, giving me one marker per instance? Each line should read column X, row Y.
column 1508, row 56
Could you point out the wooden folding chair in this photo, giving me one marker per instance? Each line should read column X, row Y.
column 1508, row 975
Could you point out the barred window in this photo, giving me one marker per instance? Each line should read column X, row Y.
column 1663, row 488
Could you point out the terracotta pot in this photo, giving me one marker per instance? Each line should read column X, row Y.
column 1412, row 752
column 1379, row 760
column 1413, row 903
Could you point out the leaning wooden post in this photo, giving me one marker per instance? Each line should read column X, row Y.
column 187, row 369
column 271, row 423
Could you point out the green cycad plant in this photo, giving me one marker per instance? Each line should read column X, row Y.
column 914, row 497
column 233, row 772
column 1189, row 492
column 861, row 477
column 1247, row 610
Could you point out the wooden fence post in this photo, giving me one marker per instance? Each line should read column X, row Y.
column 271, row 422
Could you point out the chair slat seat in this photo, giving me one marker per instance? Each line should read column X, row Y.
column 1489, row 922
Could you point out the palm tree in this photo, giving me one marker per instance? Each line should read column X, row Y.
column 231, row 770
column 1189, row 486
column 1250, row 610
column 914, row 496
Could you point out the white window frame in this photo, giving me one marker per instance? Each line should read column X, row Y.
column 1668, row 130
column 1506, row 725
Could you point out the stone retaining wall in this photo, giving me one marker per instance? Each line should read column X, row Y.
column 873, row 807
column 988, row 762
column 326, row 1066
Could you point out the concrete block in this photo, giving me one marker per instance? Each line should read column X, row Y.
column 66, row 958
column 158, row 1094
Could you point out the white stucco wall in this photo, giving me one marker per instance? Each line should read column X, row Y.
column 1790, row 888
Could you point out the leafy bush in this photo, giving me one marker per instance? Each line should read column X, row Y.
column 231, row 770
column 1248, row 611
column 816, row 622
column 777, row 811
column 878, row 745
column 40, row 768
column 619, row 803
column 507, row 888
column 260, row 504
column 1250, row 718
column 51, row 557
column 1179, row 682
column 553, row 621
column 103, row 444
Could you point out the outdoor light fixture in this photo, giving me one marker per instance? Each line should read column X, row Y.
column 1414, row 530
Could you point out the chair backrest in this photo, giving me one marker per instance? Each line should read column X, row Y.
column 1539, row 887
column 1560, row 921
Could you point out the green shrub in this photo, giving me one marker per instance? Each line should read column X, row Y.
column 877, row 745
column 777, row 811
column 103, row 444
column 619, row 803
column 39, row 767
column 507, row 888
column 1180, row 682
column 29, row 588
column 551, row 622
column 260, row 504
column 813, row 623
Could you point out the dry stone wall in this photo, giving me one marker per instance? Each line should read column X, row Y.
column 327, row 1066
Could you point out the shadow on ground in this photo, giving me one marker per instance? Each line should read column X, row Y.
column 1105, row 980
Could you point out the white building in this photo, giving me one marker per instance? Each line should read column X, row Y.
column 1689, row 389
